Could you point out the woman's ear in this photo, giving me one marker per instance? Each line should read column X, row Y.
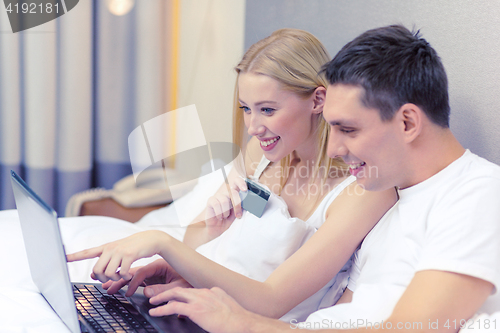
column 319, row 96
column 411, row 117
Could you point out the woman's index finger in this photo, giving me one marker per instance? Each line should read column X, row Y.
column 85, row 254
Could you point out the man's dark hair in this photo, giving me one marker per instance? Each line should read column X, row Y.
column 394, row 66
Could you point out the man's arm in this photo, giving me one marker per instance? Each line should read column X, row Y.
column 443, row 297
column 435, row 301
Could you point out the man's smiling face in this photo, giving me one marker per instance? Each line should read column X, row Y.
column 372, row 148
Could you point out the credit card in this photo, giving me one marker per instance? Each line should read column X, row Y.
column 255, row 199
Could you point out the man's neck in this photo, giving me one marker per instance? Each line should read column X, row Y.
column 430, row 154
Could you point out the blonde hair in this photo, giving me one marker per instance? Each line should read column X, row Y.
column 294, row 58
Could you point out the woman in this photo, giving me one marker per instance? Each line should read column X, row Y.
column 280, row 97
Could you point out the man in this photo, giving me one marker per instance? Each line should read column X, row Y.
column 433, row 260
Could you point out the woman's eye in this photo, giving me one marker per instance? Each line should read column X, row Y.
column 267, row 111
column 344, row 130
column 245, row 109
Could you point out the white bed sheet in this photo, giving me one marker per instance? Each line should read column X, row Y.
column 22, row 308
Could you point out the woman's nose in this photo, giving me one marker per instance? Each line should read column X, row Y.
column 255, row 127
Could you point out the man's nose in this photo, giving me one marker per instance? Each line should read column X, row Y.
column 336, row 146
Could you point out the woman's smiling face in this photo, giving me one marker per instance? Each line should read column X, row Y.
column 281, row 120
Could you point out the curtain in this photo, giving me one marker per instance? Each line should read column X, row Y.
column 71, row 91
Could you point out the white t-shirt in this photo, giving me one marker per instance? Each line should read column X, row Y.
column 449, row 222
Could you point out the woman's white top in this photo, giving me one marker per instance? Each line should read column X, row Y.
column 255, row 247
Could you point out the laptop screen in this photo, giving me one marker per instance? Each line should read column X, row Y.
column 45, row 252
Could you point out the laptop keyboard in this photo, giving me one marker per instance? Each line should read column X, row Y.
column 108, row 313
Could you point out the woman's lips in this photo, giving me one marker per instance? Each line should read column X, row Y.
column 267, row 145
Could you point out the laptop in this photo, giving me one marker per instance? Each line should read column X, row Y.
column 83, row 307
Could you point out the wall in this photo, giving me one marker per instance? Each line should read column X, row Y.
column 464, row 33
column 211, row 45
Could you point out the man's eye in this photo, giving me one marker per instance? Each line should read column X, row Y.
column 245, row 109
column 267, row 111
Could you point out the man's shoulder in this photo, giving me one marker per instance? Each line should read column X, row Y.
column 482, row 162
column 472, row 182
column 461, row 184
column 467, row 170
column 475, row 167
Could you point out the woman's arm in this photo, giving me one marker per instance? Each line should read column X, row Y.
column 350, row 217
column 196, row 233
column 225, row 205
column 221, row 210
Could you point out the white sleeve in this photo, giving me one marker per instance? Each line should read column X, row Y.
column 463, row 234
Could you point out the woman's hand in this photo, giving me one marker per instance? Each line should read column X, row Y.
column 157, row 277
column 225, row 205
column 116, row 258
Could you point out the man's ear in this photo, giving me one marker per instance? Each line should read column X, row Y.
column 411, row 117
column 319, row 96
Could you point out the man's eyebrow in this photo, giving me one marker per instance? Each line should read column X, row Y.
column 341, row 123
